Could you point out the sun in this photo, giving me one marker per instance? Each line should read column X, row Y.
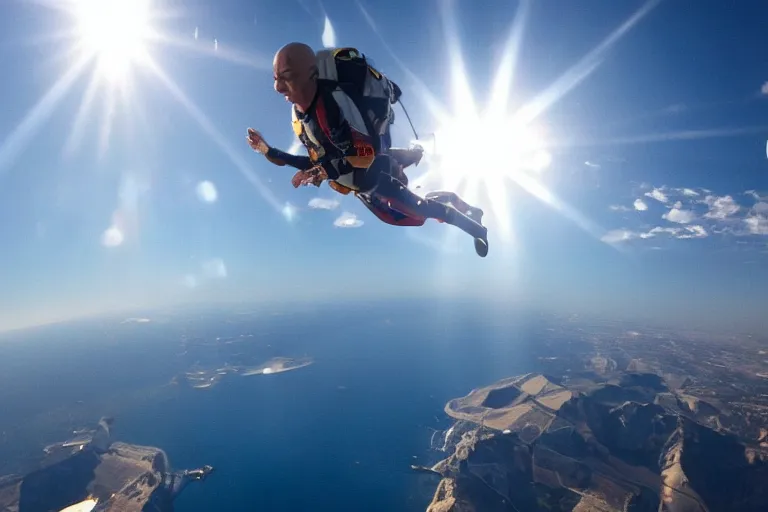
column 115, row 32
column 478, row 147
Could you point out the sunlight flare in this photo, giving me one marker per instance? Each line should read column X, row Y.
column 116, row 32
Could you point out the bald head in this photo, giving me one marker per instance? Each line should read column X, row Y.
column 295, row 70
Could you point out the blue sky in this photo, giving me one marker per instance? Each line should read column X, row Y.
column 653, row 205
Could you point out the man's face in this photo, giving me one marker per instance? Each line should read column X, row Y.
column 289, row 81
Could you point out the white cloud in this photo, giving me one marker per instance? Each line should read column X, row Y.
column 640, row 205
column 206, row 192
column 136, row 321
column 722, row 215
column 694, row 232
column 592, row 164
column 112, row 237
column 660, row 231
column 620, row 208
column 214, row 269
column 757, row 219
column 624, row 235
column 679, row 216
column 684, row 232
column 347, row 220
column 689, row 192
column 764, row 88
column 318, row 203
column 618, row 235
column 329, row 35
column 757, row 224
column 720, row 207
column 658, row 194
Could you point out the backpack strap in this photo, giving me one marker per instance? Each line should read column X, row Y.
column 351, row 91
column 347, row 69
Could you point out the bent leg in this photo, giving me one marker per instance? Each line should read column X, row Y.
column 377, row 179
column 388, row 215
column 457, row 202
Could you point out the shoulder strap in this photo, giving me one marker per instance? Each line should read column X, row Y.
column 298, row 126
column 357, row 99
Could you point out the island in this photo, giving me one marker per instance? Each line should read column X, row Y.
column 278, row 365
column 206, row 378
column 92, row 473
column 597, row 442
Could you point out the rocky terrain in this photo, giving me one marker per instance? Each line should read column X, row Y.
column 93, row 473
column 615, row 441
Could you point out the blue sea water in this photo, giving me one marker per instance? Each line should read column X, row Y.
column 339, row 435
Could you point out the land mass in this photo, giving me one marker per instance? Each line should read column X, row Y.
column 92, row 474
column 623, row 441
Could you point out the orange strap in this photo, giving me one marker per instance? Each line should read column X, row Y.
column 341, row 189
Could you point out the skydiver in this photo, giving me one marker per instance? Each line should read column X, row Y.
column 331, row 92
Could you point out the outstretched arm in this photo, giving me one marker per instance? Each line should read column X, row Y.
column 281, row 158
column 274, row 155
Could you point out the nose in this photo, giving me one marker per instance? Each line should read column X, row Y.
column 280, row 86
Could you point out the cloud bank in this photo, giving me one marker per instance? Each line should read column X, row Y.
column 347, row 220
column 319, row 203
column 690, row 213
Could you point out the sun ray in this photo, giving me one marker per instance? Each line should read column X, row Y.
column 24, row 131
column 76, row 134
column 421, row 180
column 470, row 192
column 206, row 125
column 497, row 191
column 221, row 51
column 502, row 85
column 583, row 68
column 540, row 192
column 435, row 107
column 715, row 133
column 461, row 91
column 108, row 117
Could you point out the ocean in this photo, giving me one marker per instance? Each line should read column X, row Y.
column 340, row 434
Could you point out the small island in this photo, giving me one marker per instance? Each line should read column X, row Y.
column 278, row 365
column 199, row 378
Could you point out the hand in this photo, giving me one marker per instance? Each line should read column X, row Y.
column 314, row 176
column 257, row 142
